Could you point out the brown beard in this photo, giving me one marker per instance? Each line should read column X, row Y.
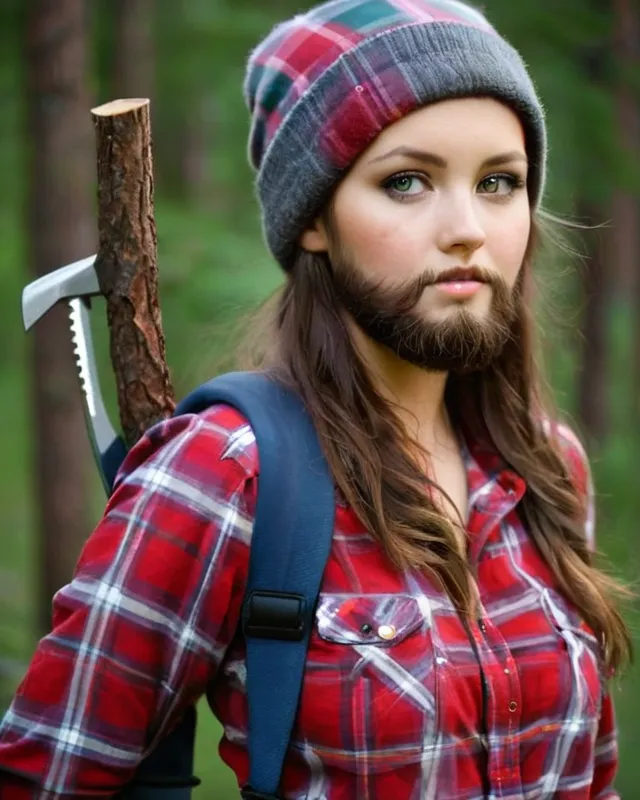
column 460, row 344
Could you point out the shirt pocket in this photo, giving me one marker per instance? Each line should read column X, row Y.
column 370, row 681
column 579, row 663
column 384, row 620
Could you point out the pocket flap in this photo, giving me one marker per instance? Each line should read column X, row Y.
column 380, row 619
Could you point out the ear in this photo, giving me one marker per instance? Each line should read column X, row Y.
column 314, row 239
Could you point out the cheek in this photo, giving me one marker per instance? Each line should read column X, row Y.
column 509, row 245
column 381, row 242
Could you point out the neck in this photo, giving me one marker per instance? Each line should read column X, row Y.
column 417, row 394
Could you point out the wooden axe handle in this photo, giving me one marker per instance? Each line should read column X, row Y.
column 127, row 265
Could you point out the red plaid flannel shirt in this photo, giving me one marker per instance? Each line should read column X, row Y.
column 392, row 704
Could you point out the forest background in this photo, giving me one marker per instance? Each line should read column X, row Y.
column 60, row 58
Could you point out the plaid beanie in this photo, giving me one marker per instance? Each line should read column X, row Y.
column 323, row 85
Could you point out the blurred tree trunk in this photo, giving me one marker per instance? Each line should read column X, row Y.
column 181, row 127
column 593, row 384
column 187, row 101
column 134, row 51
column 626, row 46
column 60, row 230
column 196, row 141
column 626, row 205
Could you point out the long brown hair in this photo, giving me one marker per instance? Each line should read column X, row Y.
column 301, row 334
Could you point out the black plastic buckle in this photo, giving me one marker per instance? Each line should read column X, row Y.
column 274, row 615
column 250, row 794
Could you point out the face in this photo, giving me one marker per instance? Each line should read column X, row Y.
column 428, row 231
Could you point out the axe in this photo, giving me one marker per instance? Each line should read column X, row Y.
column 124, row 271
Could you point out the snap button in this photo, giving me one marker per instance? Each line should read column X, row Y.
column 513, row 706
column 386, row 632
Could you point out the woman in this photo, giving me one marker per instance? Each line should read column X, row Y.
column 463, row 639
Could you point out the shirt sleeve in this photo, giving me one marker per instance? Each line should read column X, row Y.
column 139, row 632
column 606, row 747
column 606, row 754
column 580, row 470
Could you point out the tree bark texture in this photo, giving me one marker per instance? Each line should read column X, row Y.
column 60, row 230
column 127, row 265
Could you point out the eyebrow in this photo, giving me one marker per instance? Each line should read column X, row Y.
column 438, row 161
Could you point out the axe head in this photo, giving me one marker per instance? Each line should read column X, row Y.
column 77, row 280
column 76, row 283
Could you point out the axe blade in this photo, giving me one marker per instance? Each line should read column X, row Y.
column 108, row 447
column 77, row 283
column 75, row 280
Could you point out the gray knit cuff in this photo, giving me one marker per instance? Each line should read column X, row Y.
column 436, row 61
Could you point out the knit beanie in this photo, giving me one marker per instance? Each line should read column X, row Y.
column 323, row 85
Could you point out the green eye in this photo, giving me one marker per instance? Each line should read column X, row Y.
column 405, row 185
column 491, row 184
column 503, row 185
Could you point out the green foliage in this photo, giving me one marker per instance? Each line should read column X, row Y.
column 214, row 266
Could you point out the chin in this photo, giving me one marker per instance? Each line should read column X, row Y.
column 479, row 311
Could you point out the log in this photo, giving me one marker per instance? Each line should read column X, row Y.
column 126, row 265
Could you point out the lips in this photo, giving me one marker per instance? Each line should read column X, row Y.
column 461, row 283
column 462, row 274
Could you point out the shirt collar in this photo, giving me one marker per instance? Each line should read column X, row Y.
column 494, row 489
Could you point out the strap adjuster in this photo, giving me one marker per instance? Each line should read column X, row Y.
column 274, row 615
column 250, row 794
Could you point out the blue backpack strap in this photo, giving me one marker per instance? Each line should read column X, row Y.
column 167, row 772
column 291, row 540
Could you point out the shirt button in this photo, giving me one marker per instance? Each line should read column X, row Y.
column 507, row 671
column 386, row 632
column 513, row 706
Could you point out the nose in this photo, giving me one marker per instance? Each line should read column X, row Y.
column 459, row 225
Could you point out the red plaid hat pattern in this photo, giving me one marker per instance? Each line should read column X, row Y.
column 324, row 84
